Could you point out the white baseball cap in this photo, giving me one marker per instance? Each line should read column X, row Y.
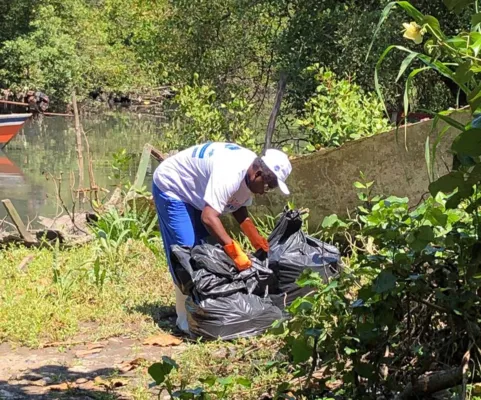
column 279, row 164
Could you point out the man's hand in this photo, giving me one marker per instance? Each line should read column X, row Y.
column 240, row 258
column 257, row 241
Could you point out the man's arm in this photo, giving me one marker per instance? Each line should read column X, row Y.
column 241, row 215
column 210, row 218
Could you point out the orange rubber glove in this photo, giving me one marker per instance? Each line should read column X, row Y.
column 240, row 258
column 253, row 235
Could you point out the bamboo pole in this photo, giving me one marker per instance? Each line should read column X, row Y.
column 78, row 133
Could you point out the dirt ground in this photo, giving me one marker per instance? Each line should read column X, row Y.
column 112, row 369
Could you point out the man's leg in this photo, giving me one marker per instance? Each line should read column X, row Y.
column 176, row 227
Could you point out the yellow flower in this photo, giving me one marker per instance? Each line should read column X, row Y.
column 414, row 32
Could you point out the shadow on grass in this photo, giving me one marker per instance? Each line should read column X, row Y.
column 36, row 384
column 164, row 316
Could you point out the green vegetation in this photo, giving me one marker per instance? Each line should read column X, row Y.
column 340, row 111
column 222, row 58
column 407, row 305
column 59, row 294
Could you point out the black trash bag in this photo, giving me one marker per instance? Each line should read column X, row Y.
column 215, row 260
column 208, row 285
column 290, row 292
column 235, row 316
column 292, row 251
column 210, row 273
column 180, row 257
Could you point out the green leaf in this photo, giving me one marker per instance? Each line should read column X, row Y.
column 395, row 200
column 427, row 156
column 301, row 350
column 159, row 371
column 476, row 19
column 425, row 233
column 407, row 88
column 432, row 24
column 468, row 143
column 475, row 42
column 384, row 14
column 463, row 73
column 412, row 11
column 474, row 98
column 406, row 63
column 384, row 282
column 359, row 185
column 329, row 221
column 244, row 382
column 450, row 121
column 209, row 380
column 349, row 351
column 226, row 381
column 330, row 287
column 447, row 183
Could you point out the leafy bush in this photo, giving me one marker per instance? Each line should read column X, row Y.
column 407, row 305
column 200, row 117
column 340, row 111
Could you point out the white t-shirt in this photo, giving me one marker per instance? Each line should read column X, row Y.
column 211, row 173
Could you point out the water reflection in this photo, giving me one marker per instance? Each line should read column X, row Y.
column 46, row 149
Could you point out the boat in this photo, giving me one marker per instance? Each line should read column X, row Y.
column 10, row 125
column 10, row 174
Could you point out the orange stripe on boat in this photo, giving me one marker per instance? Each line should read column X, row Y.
column 8, row 132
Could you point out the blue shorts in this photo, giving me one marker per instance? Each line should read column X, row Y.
column 180, row 223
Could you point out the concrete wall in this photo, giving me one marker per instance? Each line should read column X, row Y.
column 323, row 182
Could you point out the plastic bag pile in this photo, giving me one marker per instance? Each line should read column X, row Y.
column 227, row 304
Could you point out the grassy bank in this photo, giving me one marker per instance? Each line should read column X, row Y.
column 53, row 296
column 58, row 296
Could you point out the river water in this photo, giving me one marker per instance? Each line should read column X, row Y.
column 46, row 149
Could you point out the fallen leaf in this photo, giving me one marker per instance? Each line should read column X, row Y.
column 93, row 346
column 163, row 340
column 62, row 386
column 333, row 385
column 85, row 353
column 126, row 366
column 79, row 381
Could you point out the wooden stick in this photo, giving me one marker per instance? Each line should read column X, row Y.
column 51, row 114
column 16, row 103
column 78, row 133
column 12, row 212
column 277, row 105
